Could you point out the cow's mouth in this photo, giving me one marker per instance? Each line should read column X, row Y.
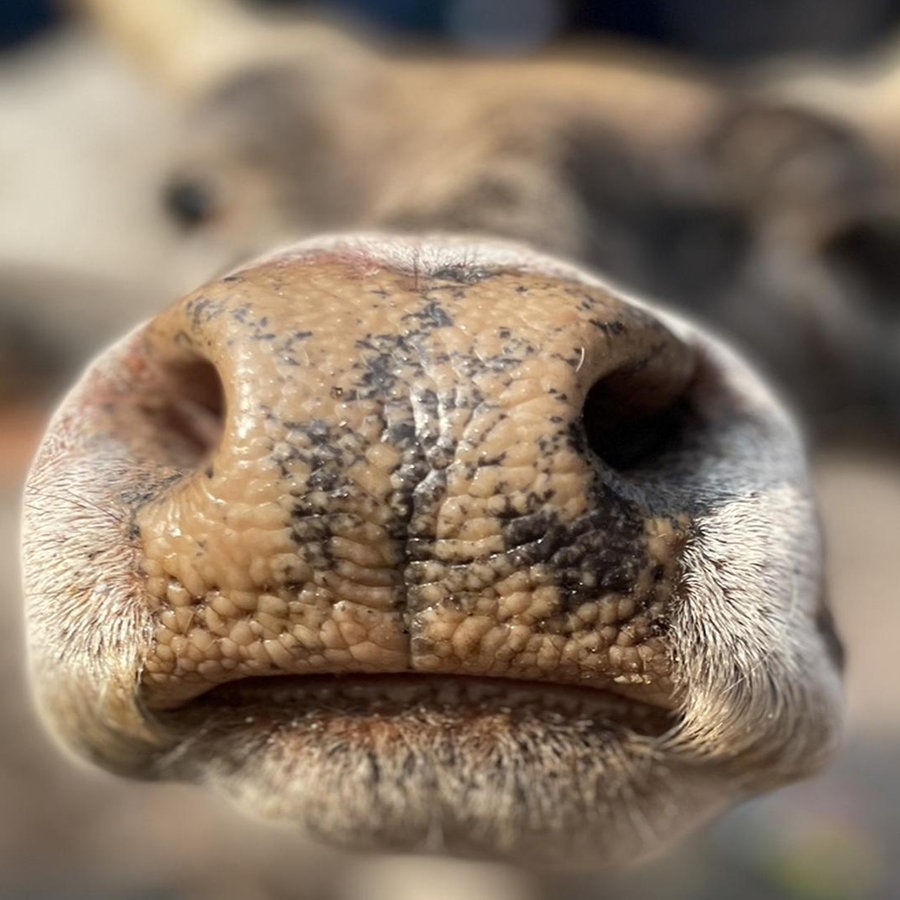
column 469, row 765
column 291, row 701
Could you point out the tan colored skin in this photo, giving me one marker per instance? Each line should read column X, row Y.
column 429, row 544
column 403, row 525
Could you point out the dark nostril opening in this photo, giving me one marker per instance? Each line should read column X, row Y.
column 190, row 201
column 626, row 434
column 188, row 411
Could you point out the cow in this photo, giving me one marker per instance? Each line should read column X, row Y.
column 409, row 649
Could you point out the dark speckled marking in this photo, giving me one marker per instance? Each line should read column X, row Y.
column 432, row 315
column 607, row 327
column 464, row 274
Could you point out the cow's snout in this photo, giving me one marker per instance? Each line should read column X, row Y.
column 377, row 465
column 392, row 536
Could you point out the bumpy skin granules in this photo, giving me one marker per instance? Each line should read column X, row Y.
column 408, row 486
column 508, row 550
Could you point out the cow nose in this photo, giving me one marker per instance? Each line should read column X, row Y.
column 432, row 544
column 365, row 459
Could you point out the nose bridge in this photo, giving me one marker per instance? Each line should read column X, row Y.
column 398, row 482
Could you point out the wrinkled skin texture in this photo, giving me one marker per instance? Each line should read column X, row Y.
column 434, row 545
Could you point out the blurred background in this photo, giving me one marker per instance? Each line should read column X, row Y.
column 94, row 237
column 730, row 31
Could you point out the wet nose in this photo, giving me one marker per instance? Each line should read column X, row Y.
column 398, row 458
column 378, row 464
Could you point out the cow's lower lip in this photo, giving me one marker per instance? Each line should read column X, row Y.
column 289, row 700
column 464, row 765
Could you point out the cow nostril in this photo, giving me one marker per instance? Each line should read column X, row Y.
column 625, row 433
column 187, row 411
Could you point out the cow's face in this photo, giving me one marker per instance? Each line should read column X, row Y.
column 763, row 220
column 433, row 545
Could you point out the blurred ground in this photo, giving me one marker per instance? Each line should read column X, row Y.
column 66, row 832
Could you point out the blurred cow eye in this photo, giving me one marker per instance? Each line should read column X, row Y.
column 190, row 201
